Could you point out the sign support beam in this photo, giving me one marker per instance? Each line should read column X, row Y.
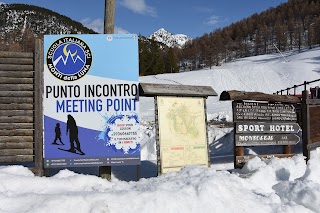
column 109, row 16
column 105, row 171
column 38, row 107
column 263, row 124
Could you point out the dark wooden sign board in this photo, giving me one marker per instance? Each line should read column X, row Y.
column 246, row 127
column 262, row 120
column 257, row 111
column 266, row 139
column 264, row 124
column 315, row 123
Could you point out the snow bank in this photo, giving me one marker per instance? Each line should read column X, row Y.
column 276, row 185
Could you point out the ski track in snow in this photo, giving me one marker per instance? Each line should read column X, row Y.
column 166, row 79
column 267, row 74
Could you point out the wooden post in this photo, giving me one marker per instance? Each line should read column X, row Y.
column 287, row 149
column 109, row 16
column 138, row 172
column 305, row 124
column 157, row 136
column 206, row 122
column 105, row 171
column 38, row 113
column 238, row 150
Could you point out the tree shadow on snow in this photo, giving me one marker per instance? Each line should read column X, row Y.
column 221, row 150
column 80, row 170
column 147, row 169
column 124, row 173
column 222, row 146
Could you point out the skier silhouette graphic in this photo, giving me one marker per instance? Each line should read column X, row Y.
column 73, row 135
column 58, row 134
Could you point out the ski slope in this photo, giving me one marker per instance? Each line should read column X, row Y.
column 266, row 73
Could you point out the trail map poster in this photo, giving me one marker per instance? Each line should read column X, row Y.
column 182, row 132
column 89, row 101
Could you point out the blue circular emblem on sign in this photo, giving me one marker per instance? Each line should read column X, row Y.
column 69, row 58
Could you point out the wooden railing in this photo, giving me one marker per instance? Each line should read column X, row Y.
column 287, row 90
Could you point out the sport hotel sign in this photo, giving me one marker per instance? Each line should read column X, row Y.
column 89, row 101
column 262, row 124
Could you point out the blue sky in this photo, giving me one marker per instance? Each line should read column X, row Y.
column 190, row 17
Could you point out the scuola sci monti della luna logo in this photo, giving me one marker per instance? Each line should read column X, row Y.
column 69, row 58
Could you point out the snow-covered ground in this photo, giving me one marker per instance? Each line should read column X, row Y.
column 276, row 185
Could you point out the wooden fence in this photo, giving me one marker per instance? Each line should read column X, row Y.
column 21, row 107
column 304, row 84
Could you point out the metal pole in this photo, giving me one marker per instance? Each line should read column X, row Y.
column 109, row 16
column 305, row 85
column 280, row 52
column 105, row 171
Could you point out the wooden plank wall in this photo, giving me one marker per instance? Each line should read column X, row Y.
column 16, row 107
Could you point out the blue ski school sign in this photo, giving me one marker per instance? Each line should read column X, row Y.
column 89, row 101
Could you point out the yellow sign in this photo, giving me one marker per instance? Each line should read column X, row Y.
column 182, row 132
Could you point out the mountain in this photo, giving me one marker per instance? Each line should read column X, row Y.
column 20, row 22
column 16, row 20
column 171, row 40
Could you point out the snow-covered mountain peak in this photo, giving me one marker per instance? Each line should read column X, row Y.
column 162, row 30
column 169, row 39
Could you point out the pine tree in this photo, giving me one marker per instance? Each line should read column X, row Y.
column 171, row 62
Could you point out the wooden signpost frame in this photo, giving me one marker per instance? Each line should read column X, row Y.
column 240, row 96
column 38, row 107
column 157, row 136
column 156, row 90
